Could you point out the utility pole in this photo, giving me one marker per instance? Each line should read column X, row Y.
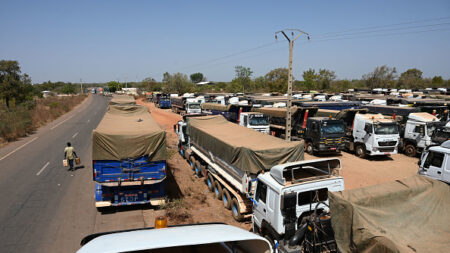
column 289, row 90
column 81, row 86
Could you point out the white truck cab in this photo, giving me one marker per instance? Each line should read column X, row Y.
column 419, row 129
column 256, row 121
column 193, row 106
column 435, row 162
column 374, row 134
column 287, row 195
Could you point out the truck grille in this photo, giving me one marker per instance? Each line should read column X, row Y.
column 386, row 143
column 386, row 149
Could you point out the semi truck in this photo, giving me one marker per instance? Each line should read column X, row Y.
column 185, row 105
column 231, row 111
column 321, row 134
column 128, row 158
column 163, row 101
column 368, row 134
column 435, row 162
column 416, row 128
column 230, row 157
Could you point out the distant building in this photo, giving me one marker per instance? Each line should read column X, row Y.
column 47, row 93
column 204, row 83
column 130, row 91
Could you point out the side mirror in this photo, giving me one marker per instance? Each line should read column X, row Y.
column 175, row 128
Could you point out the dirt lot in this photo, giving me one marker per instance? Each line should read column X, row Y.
column 191, row 201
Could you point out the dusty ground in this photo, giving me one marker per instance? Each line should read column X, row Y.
column 192, row 202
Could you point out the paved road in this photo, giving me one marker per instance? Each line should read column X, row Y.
column 44, row 207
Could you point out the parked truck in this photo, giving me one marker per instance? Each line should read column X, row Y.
column 230, row 157
column 435, row 162
column 321, row 134
column 185, row 105
column 415, row 128
column 128, row 158
column 163, row 100
column 368, row 134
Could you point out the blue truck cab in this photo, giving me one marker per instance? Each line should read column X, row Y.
column 129, row 165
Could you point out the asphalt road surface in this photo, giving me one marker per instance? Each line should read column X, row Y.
column 44, row 207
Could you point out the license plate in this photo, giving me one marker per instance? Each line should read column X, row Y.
column 387, row 153
column 333, row 148
column 129, row 198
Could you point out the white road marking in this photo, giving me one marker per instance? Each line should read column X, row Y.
column 18, row 148
column 88, row 120
column 43, row 168
column 62, row 122
column 73, row 137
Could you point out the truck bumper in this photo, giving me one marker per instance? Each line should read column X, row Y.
column 383, row 151
column 129, row 195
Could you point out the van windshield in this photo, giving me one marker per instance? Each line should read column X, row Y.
column 385, row 128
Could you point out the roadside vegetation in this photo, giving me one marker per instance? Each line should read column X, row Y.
column 22, row 106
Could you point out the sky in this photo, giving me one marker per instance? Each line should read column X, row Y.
column 129, row 40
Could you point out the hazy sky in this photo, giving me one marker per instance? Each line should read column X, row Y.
column 100, row 41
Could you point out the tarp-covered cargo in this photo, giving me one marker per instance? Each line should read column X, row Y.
column 122, row 100
column 243, row 148
column 127, row 132
column 408, row 215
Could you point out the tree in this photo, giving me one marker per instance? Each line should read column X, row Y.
column 114, row 86
column 242, row 78
column 68, row 88
column 381, row 77
column 277, row 79
column 411, row 78
column 438, row 80
column 325, row 77
column 311, row 79
column 197, row 77
column 177, row 83
column 14, row 85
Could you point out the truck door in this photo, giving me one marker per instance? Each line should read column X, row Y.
column 418, row 135
column 260, row 208
column 434, row 164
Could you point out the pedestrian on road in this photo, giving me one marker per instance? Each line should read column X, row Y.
column 69, row 154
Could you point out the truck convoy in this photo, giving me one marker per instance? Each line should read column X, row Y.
column 185, row 105
column 416, row 128
column 321, row 134
column 128, row 158
column 231, row 157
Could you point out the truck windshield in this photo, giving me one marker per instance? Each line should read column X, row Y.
column 332, row 128
column 385, row 128
column 194, row 106
column 258, row 121
column 431, row 127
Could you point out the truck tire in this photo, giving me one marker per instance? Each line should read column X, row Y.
column 203, row 169
column 218, row 190
column 410, row 150
column 226, row 199
column 210, row 182
column 192, row 162
column 309, row 148
column 197, row 168
column 186, row 155
column 236, row 210
column 360, row 151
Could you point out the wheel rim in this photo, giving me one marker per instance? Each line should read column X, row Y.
column 196, row 170
column 216, row 191
column 309, row 148
column 225, row 200
column 209, row 183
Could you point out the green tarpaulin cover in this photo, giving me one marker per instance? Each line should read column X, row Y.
column 244, row 148
column 408, row 215
column 128, row 132
column 122, row 100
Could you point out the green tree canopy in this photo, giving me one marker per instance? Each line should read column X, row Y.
column 325, row 78
column 277, row 80
column 177, row 83
column 114, row 86
column 14, row 85
column 242, row 79
column 438, row 80
column 68, row 88
column 197, row 77
column 381, row 77
column 311, row 79
column 411, row 78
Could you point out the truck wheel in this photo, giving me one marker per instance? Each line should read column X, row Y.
column 186, row 155
column 410, row 150
column 203, row 169
column 226, row 198
column 218, row 191
column 309, row 148
column 197, row 169
column 192, row 162
column 270, row 239
column 236, row 210
column 360, row 151
column 210, row 182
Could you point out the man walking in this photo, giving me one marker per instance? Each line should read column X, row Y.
column 69, row 154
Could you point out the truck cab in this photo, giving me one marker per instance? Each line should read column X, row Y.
column 419, row 129
column 375, row 134
column 324, row 134
column 289, row 194
column 435, row 162
column 193, row 108
column 255, row 120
